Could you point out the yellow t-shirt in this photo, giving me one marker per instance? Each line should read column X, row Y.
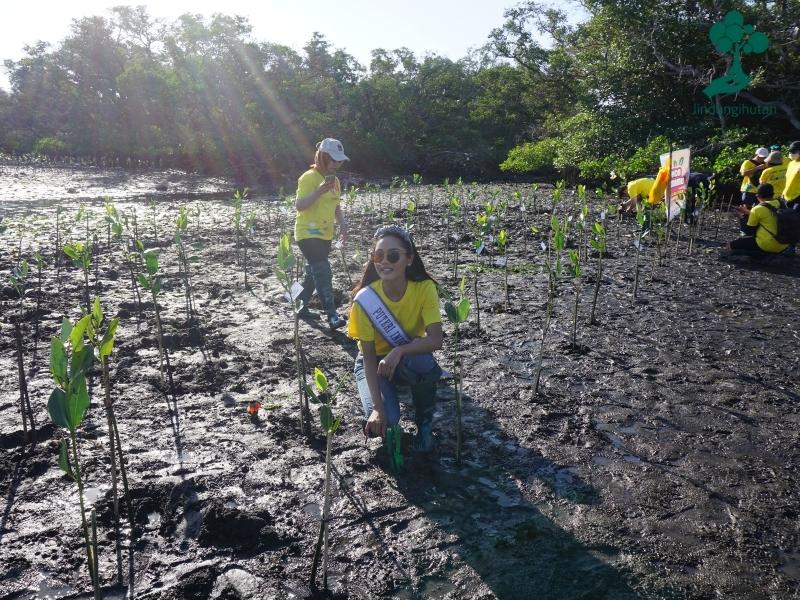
column 776, row 176
column 747, row 184
column 791, row 190
column 640, row 187
column 766, row 221
column 317, row 220
column 418, row 308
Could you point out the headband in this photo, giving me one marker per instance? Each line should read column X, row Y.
column 394, row 230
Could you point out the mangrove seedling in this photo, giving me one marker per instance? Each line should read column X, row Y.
column 153, row 207
column 641, row 220
column 101, row 336
column 40, row 264
column 18, row 280
column 555, row 248
column 599, row 244
column 150, row 280
column 458, row 313
column 70, row 359
column 502, row 245
column 249, row 234
column 181, row 228
column 575, row 264
column 81, row 256
column 330, row 425
column 236, row 218
column 113, row 222
column 284, row 269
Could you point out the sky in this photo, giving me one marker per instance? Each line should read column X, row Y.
column 445, row 27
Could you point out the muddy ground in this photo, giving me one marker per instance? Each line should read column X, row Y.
column 659, row 459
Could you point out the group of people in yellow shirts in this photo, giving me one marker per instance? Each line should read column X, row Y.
column 770, row 181
column 394, row 315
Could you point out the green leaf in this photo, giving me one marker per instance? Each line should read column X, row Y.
column 156, row 286
column 451, row 312
column 63, row 459
column 81, row 361
column 107, row 345
column 71, row 252
column 336, row 424
column 326, row 418
column 58, row 360
column 66, row 329
column 76, row 337
column 463, row 310
column 320, row 379
column 97, row 312
column 144, row 282
column 311, row 394
column 151, row 261
column 57, row 408
column 77, row 402
column 462, row 285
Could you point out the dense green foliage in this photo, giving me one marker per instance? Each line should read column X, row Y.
column 202, row 93
column 631, row 80
column 583, row 98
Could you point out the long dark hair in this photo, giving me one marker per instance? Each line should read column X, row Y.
column 414, row 272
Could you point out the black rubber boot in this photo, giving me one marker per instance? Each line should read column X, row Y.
column 424, row 397
column 323, row 280
column 305, row 296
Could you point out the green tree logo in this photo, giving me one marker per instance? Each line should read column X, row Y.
column 732, row 36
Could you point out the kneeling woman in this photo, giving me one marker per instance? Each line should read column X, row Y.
column 396, row 319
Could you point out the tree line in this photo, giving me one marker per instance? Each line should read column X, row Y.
column 542, row 94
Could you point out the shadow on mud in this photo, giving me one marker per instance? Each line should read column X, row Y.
column 515, row 550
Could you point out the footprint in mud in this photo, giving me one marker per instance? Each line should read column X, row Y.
column 228, row 527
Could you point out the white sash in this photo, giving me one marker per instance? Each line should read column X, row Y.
column 381, row 317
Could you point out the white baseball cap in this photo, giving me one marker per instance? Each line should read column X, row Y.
column 334, row 148
column 761, row 152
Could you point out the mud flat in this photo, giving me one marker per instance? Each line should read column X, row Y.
column 658, row 459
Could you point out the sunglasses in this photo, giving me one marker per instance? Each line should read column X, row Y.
column 392, row 255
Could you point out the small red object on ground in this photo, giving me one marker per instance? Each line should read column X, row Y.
column 253, row 406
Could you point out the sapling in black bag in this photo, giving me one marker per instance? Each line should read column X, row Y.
column 788, row 224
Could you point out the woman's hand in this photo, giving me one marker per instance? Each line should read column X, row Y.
column 389, row 363
column 376, row 424
column 326, row 186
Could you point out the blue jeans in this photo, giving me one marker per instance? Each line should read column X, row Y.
column 418, row 371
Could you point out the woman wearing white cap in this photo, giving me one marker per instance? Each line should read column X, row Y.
column 317, row 203
column 751, row 172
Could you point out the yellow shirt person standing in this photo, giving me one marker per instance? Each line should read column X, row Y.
column 317, row 205
column 791, row 190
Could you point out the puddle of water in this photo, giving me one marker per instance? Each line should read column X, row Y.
column 632, row 459
column 50, row 589
column 313, row 510
column 92, row 494
column 791, row 564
